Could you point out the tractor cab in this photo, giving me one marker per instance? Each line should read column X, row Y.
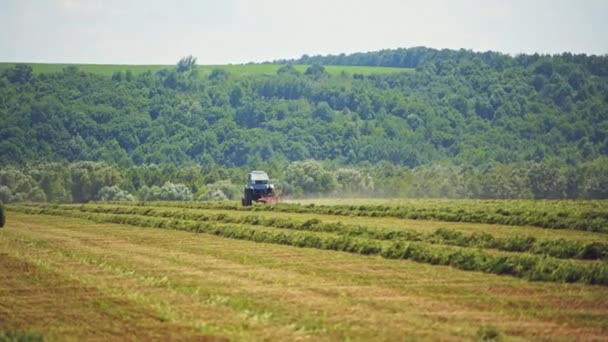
column 258, row 188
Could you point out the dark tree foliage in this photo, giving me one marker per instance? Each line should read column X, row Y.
column 186, row 64
column 417, row 56
column 316, row 71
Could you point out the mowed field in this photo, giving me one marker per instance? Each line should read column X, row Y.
column 321, row 270
column 236, row 69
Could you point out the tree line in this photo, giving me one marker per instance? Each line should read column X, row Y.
column 82, row 182
column 417, row 56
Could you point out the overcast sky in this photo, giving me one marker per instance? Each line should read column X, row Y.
column 238, row 31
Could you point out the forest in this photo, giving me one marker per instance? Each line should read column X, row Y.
column 454, row 123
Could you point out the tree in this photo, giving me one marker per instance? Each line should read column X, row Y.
column 324, row 112
column 308, row 177
column 218, row 75
column 288, row 69
column 117, row 76
column 87, row 179
column 316, row 72
column 546, row 181
column 595, row 173
column 352, row 181
column 20, row 74
column 187, row 63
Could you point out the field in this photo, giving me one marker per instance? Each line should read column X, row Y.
column 319, row 270
column 237, row 69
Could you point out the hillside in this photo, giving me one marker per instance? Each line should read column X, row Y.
column 455, row 108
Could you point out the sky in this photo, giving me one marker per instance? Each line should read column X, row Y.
column 240, row 31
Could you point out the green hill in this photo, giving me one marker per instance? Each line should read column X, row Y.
column 522, row 126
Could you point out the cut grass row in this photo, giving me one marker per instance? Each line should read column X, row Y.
column 525, row 266
column 575, row 216
column 558, row 248
column 393, row 223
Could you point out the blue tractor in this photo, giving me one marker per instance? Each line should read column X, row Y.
column 258, row 188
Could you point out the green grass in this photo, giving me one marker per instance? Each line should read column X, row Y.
column 237, row 69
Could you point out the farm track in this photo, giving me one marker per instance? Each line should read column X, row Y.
column 254, row 229
column 244, row 290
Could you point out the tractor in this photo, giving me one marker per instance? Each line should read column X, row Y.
column 258, row 188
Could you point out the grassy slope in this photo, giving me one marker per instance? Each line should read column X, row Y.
column 245, row 290
column 239, row 69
